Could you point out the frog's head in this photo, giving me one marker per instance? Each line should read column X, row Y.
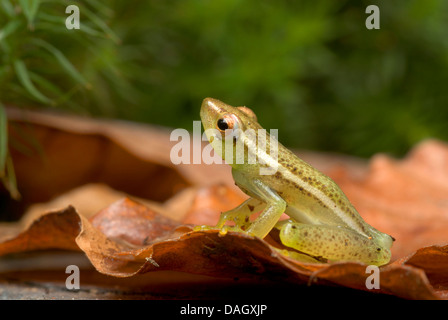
column 224, row 123
column 221, row 116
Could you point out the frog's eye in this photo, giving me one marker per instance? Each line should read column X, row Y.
column 222, row 124
column 226, row 122
column 229, row 125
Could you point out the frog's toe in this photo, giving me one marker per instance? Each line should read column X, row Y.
column 225, row 229
column 204, row 228
column 222, row 230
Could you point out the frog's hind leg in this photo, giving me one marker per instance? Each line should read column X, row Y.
column 241, row 214
column 331, row 242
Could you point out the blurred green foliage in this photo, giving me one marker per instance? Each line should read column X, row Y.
column 308, row 68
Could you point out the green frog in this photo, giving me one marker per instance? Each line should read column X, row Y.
column 322, row 222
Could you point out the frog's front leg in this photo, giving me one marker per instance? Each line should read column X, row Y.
column 241, row 214
column 332, row 242
column 274, row 204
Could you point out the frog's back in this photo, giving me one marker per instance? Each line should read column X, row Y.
column 311, row 196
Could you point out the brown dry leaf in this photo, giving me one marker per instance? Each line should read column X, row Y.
column 54, row 154
column 136, row 250
column 406, row 198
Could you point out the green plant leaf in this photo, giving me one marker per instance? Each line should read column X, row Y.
column 9, row 28
column 8, row 7
column 9, row 179
column 60, row 21
column 99, row 6
column 62, row 59
column 101, row 24
column 22, row 74
column 3, row 140
column 29, row 8
column 61, row 97
column 91, row 31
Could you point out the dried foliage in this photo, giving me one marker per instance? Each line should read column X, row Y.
column 152, row 229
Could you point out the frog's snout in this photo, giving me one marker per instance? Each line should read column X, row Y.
column 210, row 108
column 383, row 240
column 204, row 107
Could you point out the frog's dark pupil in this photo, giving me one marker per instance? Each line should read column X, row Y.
column 222, row 124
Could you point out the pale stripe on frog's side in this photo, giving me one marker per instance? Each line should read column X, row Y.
column 320, row 212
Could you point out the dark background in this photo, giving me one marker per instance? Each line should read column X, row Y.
column 308, row 68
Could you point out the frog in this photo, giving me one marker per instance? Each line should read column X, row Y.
column 321, row 222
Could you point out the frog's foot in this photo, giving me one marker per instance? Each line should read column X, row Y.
column 331, row 242
column 238, row 217
column 203, row 228
column 223, row 229
column 298, row 256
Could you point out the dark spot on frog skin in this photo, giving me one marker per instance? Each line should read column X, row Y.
column 278, row 175
column 251, row 208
